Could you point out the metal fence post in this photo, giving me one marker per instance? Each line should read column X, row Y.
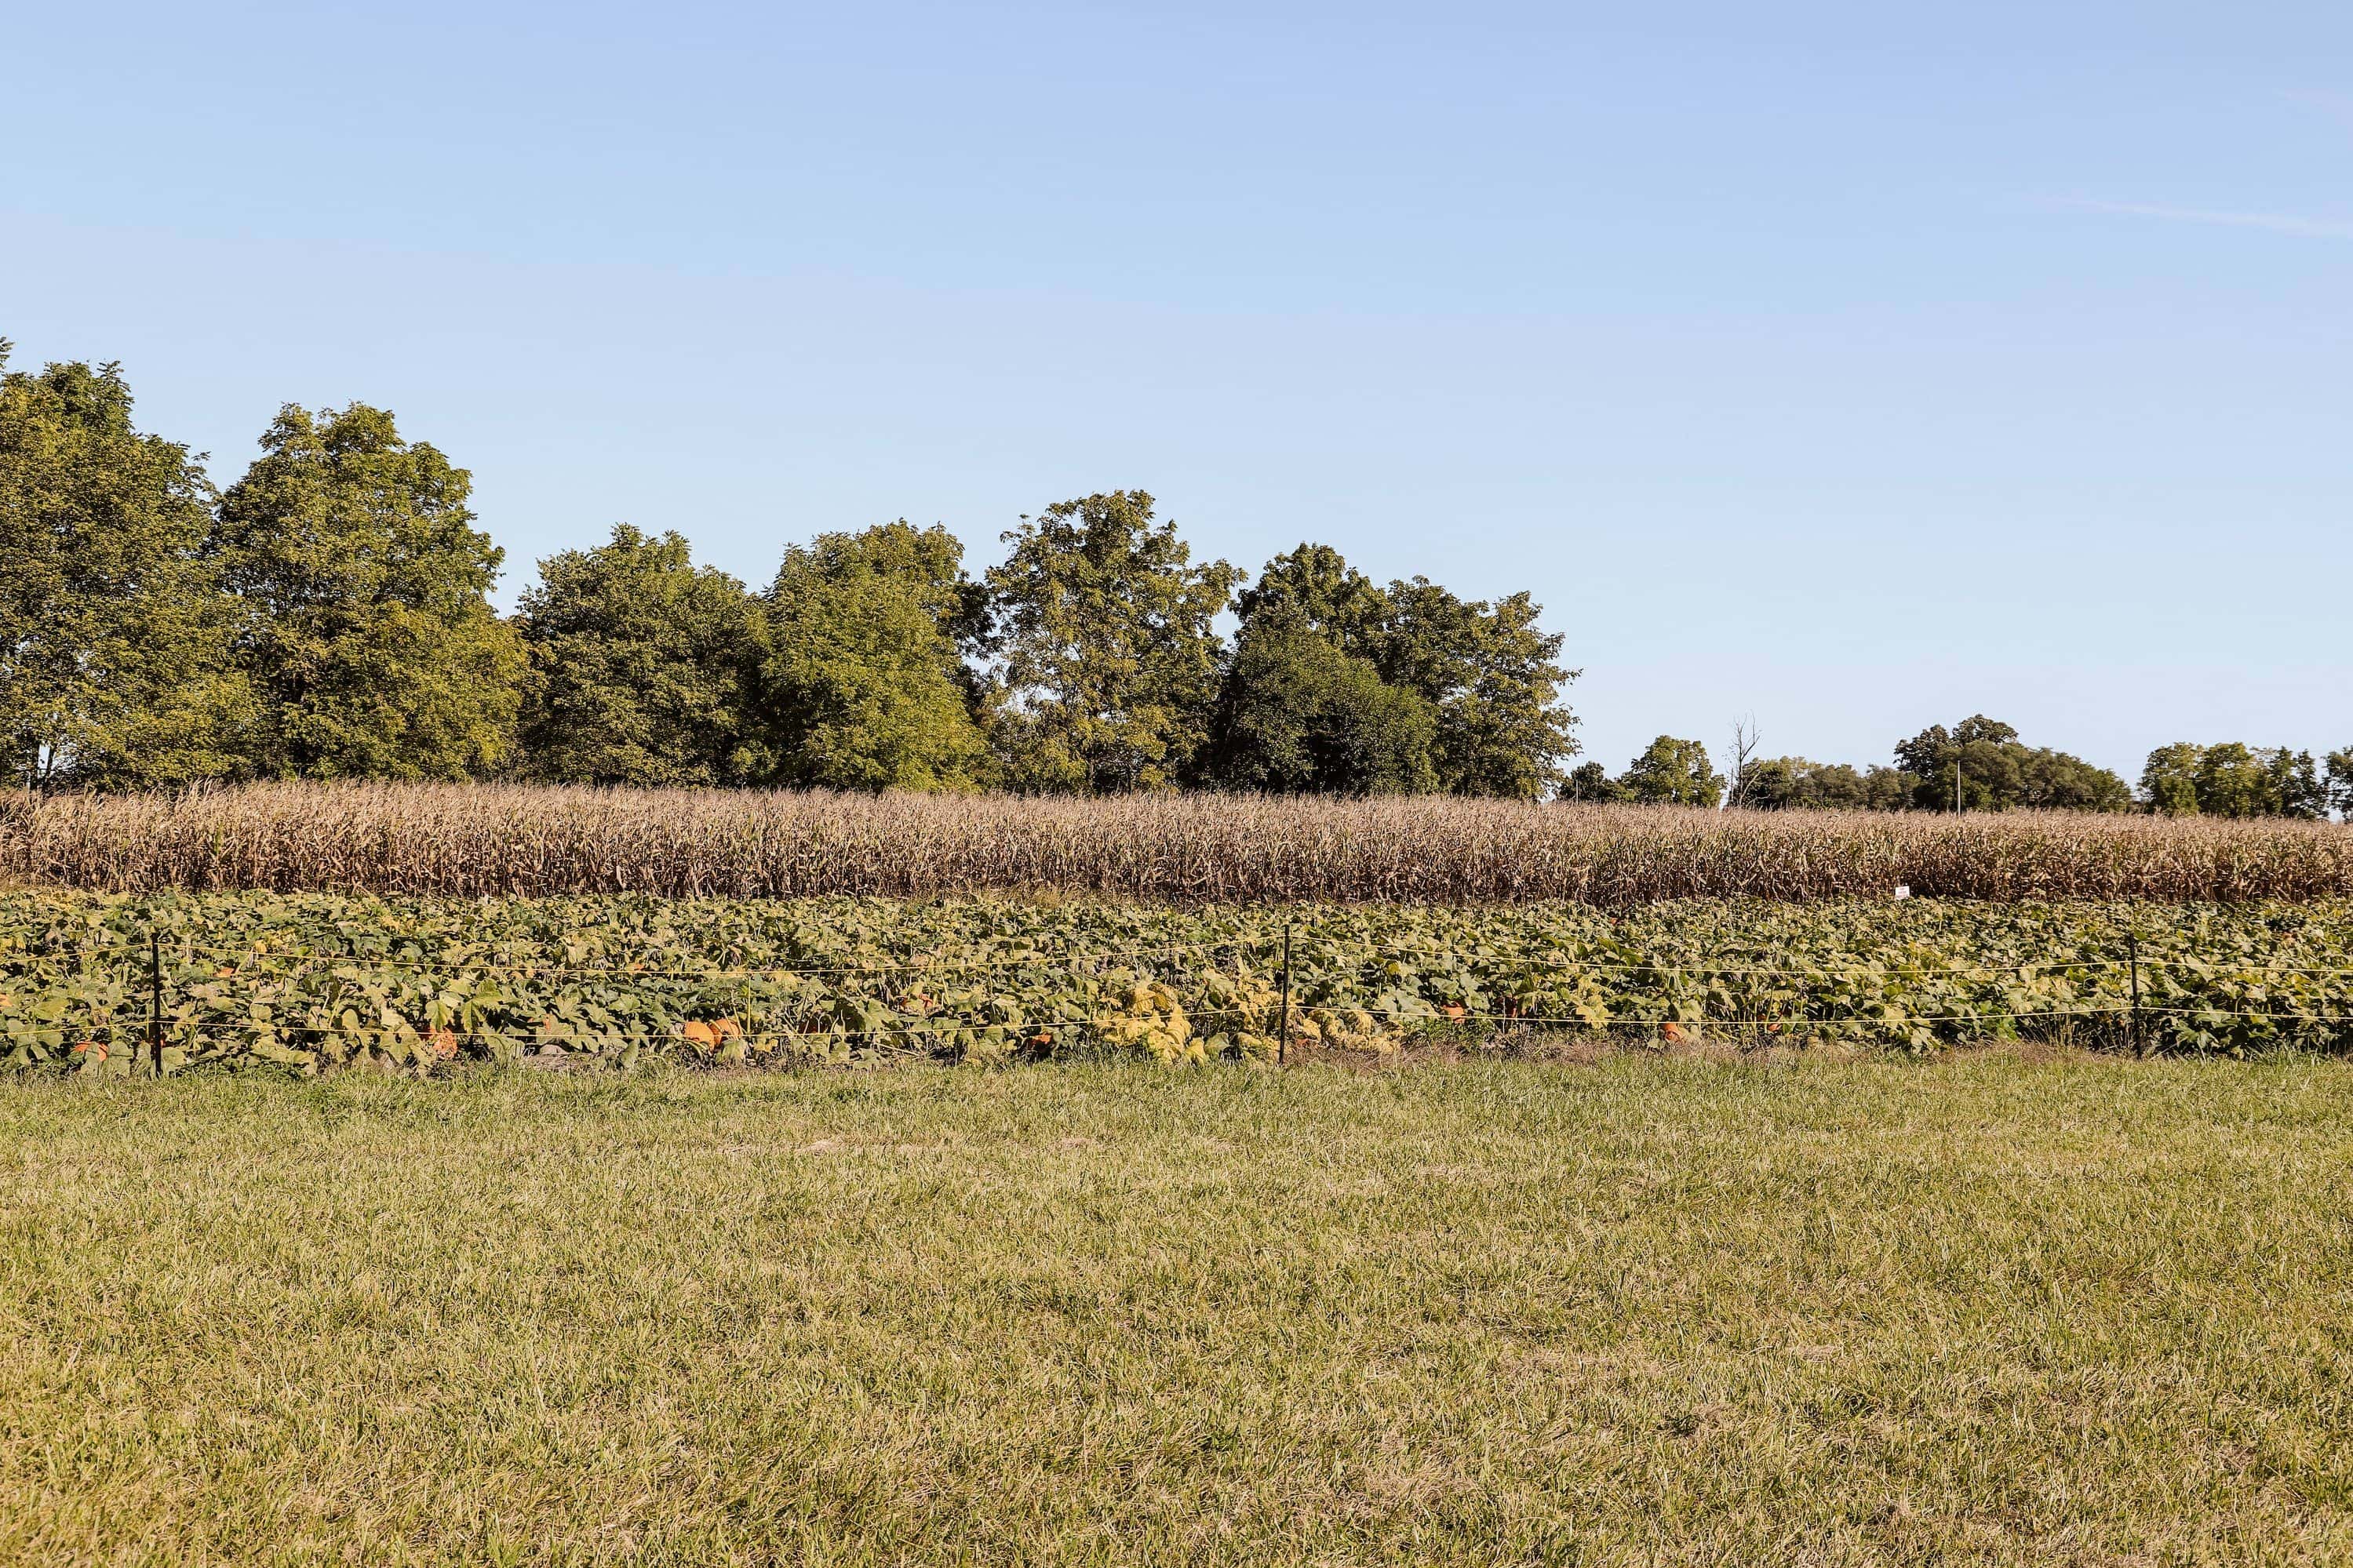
column 2131, row 957
column 1283, row 1042
column 154, row 999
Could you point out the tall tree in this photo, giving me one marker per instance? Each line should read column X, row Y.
column 1109, row 664
column 2168, row 780
column 864, row 686
column 1299, row 716
column 2233, row 778
column 2296, row 784
column 1997, row 772
column 1489, row 676
column 1337, row 602
column 1590, row 783
column 1672, row 773
column 113, row 633
column 643, row 666
column 2233, row 781
column 369, row 638
column 1496, row 681
column 1783, row 783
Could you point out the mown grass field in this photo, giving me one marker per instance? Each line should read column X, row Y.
column 1992, row 1309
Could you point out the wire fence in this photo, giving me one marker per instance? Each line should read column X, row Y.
column 172, row 1002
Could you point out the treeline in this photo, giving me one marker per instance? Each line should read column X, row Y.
column 327, row 616
column 1983, row 763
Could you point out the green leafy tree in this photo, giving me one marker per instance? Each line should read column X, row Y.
column 1298, row 716
column 2296, row 783
column 1772, row 783
column 1672, row 773
column 644, row 667
column 864, row 687
column 2238, row 780
column 368, row 635
column 1890, row 789
column 1108, row 665
column 2234, row 780
column 114, row 665
column 1997, row 772
column 1973, row 757
column 2340, row 782
column 2168, row 780
column 2054, row 781
column 1494, row 679
column 1339, row 603
column 1590, row 784
column 1488, row 674
column 928, row 561
column 1795, row 784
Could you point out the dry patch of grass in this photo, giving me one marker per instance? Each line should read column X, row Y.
column 1643, row 1311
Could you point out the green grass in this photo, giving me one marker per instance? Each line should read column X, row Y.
column 1989, row 1310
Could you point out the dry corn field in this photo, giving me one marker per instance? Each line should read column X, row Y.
column 474, row 839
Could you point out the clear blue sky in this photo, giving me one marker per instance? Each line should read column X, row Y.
column 1853, row 366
